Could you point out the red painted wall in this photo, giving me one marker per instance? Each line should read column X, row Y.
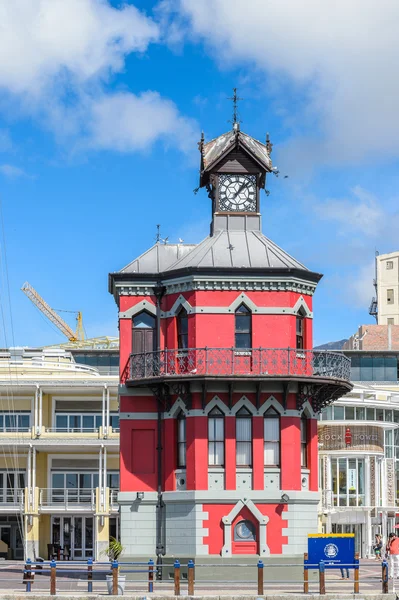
column 258, row 478
column 138, row 464
column 290, row 453
column 197, row 453
column 216, row 512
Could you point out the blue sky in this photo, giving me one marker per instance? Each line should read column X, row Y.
column 101, row 107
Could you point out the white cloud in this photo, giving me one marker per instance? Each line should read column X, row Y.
column 12, row 172
column 340, row 56
column 56, row 60
column 126, row 122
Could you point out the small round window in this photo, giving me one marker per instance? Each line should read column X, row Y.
column 244, row 531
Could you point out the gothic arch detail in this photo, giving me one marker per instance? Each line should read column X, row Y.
column 228, row 521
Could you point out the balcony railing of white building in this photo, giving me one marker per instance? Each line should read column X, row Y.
column 11, row 500
column 228, row 362
column 67, row 499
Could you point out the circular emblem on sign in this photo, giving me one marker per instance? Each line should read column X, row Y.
column 331, row 550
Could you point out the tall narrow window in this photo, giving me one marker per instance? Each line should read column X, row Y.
column 181, row 440
column 244, row 438
column 216, row 438
column 390, row 297
column 182, row 329
column 272, row 438
column 304, row 442
column 243, row 328
column 300, row 332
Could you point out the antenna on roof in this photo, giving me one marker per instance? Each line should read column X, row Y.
column 158, row 236
column 236, row 119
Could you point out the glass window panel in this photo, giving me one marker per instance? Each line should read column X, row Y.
column 1, row 421
column 10, row 422
column 360, row 414
column 88, row 422
column 71, row 480
column 378, row 368
column 85, row 480
column 349, row 413
column 244, row 453
column 366, row 368
column 370, row 412
column 75, row 422
column 243, row 323
column 328, row 414
column 339, row 413
column 23, row 422
column 391, row 368
column 95, row 480
column 114, row 421
column 144, row 320
column 396, row 416
column 272, row 453
column 99, row 421
column 380, row 414
column 58, row 480
column 243, row 429
column 61, row 422
column 355, row 368
column 243, row 341
column 113, row 481
column 388, row 416
column 272, row 429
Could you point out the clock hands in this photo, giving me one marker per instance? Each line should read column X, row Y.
column 244, row 185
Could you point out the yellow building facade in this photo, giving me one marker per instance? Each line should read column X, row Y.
column 59, row 455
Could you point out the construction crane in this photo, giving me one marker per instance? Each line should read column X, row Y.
column 41, row 304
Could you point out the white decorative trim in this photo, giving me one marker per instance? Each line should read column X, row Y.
column 138, row 308
column 300, row 303
column 217, row 402
column 244, row 402
column 228, row 521
column 178, row 406
column 180, row 301
column 271, row 402
column 308, row 410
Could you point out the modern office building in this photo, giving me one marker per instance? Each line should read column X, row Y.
column 219, row 386
column 59, row 462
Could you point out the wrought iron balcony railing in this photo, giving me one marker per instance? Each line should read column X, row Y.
column 228, row 362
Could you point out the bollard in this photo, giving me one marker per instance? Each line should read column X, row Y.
column 114, row 578
column 151, row 575
column 260, row 578
column 190, row 577
column 53, row 571
column 384, row 578
column 305, row 573
column 177, row 577
column 28, row 574
column 90, row 575
column 322, row 578
column 356, row 574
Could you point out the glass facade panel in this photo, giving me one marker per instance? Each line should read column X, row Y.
column 347, row 476
column 374, row 368
column 339, row 413
column 349, row 413
column 370, row 414
column 379, row 414
column 360, row 414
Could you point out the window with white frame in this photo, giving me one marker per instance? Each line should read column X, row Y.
column 347, row 478
column 79, row 486
column 272, row 438
column 304, row 441
column 15, row 421
column 11, row 485
column 389, row 264
column 243, row 438
column 216, row 438
column 83, row 422
column 181, row 440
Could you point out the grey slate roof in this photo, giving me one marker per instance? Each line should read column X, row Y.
column 158, row 258
column 237, row 249
column 215, row 149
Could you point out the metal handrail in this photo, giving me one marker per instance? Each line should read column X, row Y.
column 251, row 362
column 66, row 496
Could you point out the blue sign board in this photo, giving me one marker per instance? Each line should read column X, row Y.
column 334, row 549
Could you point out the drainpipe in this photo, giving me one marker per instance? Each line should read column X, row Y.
column 159, row 291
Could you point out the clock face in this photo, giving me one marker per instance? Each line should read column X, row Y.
column 237, row 193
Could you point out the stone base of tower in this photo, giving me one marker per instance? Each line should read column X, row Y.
column 202, row 523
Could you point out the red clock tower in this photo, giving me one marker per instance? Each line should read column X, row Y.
column 220, row 388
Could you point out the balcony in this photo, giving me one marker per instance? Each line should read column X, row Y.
column 64, row 500
column 257, row 363
column 11, row 500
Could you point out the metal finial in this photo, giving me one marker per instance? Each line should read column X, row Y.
column 236, row 120
column 269, row 145
column 158, row 236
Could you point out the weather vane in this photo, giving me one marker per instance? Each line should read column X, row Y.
column 235, row 100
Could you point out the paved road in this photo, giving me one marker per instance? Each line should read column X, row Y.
column 277, row 580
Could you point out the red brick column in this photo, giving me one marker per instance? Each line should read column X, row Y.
column 197, row 453
column 258, row 478
column 230, row 453
column 290, row 453
column 313, row 455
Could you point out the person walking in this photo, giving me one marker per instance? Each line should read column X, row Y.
column 343, row 569
column 377, row 548
column 394, row 555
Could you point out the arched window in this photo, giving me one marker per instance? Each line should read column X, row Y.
column 272, row 438
column 243, row 328
column 300, row 330
column 143, row 333
column 244, row 531
column 304, row 441
column 216, row 438
column 243, row 438
column 181, row 439
column 182, row 329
